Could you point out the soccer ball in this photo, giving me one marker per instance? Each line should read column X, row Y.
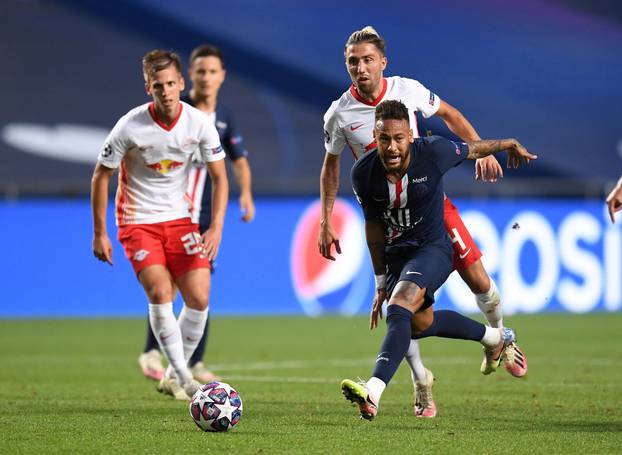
column 216, row 407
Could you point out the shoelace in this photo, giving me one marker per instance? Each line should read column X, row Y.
column 424, row 396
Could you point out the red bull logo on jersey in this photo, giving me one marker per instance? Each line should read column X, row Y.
column 323, row 286
column 165, row 166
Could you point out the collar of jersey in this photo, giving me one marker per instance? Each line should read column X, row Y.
column 375, row 102
column 160, row 123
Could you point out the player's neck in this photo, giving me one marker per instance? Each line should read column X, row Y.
column 204, row 103
column 370, row 96
column 167, row 117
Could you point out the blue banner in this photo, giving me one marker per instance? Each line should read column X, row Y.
column 545, row 255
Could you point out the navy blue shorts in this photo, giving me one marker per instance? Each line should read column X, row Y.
column 427, row 266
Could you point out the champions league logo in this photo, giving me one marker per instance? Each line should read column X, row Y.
column 323, row 286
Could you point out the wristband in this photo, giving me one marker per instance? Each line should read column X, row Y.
column 381, row 281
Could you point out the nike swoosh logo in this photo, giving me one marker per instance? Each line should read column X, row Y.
column 462, row 256
column 162, row 338
column 418, row 221
column 413, row 273
column 378, row 200
column 356, row 127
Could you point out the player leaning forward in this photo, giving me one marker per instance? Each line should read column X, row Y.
column 152, row 145
column 409, row 247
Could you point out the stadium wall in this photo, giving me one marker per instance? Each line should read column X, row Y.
column 545, row 255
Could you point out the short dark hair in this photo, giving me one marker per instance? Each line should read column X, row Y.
column 392, row 110
column 366, row 35
column 157, row 60
column 207, row 50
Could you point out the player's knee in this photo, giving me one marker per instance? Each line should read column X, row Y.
column 198, row 301
column 160, row 293
column 421, row 321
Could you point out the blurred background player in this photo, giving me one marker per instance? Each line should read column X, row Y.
column 349, row 120
column 153, row 145
column 614, row 200
column 207, row 73
column 400, row 189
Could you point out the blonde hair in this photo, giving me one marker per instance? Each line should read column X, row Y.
column 157, row 60
column 367, row 34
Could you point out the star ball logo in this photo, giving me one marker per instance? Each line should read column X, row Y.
column 323, row 286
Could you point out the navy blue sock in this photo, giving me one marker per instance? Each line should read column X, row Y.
column 450, row 324
column 197, row 355
column 395, row 344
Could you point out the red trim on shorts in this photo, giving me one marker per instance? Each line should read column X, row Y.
column 373, row 145
column 375, row 102
column 352, row 150
column 160, row 123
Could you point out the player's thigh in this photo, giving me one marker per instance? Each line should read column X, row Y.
column 465, row 249
column 183, row 248
column 194, row 286
column 157, row 283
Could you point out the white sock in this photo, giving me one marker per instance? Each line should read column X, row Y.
column 192, row 324
column 492, row 337
column 489, row 304
column 375, row 387
column 167, row 332
column 413, row 357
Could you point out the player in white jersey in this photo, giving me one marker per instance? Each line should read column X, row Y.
column 152, row 145
column 349, row 121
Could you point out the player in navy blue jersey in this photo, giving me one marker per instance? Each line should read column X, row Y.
column 400, row 189
column 207, row 73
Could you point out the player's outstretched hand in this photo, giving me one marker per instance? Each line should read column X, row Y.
column 327, row 238
column 376, row 310
column 488, row 169
column 614, row 200
column 517, row 154
column 247, row 207
column 102, row 248
column 211, row 242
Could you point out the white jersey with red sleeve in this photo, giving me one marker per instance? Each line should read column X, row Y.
column 350, row 119
column 154, row 162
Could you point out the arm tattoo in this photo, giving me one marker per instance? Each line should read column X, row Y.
column 481, row 149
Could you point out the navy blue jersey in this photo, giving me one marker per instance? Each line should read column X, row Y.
column 233, row 144
column 412, row 208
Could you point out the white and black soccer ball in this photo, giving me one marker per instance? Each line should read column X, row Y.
column 216, row 407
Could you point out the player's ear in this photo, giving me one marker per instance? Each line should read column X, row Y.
column 411, row 136
column 383, row 62
column 147, row 88
column 182, row 83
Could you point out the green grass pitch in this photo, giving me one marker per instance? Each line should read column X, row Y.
column 73, row 386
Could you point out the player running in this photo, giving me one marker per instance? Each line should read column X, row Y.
column 207, row 73
column 152, row 145
column 400, row 189
column 349, row 121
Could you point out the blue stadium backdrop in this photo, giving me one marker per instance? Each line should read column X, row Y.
column 546, row 255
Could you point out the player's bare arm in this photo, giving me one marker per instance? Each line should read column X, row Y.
column 329, row 184
column 220, row 195
column 102, row 248
column 517, row 154
column 614, row 200
column 243, row 177
column 374, row 235
column 487, row 169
